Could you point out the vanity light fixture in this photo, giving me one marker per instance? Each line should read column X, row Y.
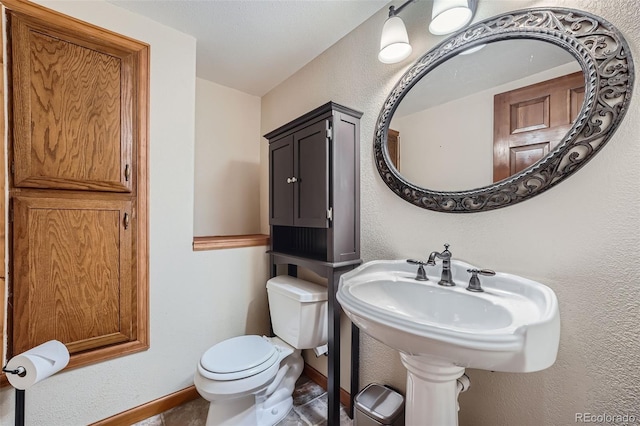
column 394, row 42
column 449, row 16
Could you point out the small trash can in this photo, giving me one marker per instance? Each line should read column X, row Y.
column 378, row 405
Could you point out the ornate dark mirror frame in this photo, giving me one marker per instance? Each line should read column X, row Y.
column 607, row 65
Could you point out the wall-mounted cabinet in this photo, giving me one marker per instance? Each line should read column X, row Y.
column 299, row 178
column 73, row 259
column 77, row 145
column 314, row 182
column 73, row 108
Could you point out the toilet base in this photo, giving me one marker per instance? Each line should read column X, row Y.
column 276, row 413
column 243, row 412
column 264, row 407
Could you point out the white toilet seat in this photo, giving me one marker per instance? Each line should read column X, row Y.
column 238, row 358
column 211, row 388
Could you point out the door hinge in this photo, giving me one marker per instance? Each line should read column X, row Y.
column 10, row 212
column 330, row 214
column 329, row 130
column 13, row 167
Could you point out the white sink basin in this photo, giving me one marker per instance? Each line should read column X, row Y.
column 513, row 326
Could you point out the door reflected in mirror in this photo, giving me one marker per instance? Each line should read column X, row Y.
column 479, row 118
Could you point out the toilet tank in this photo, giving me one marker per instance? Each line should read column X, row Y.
column 298, row 311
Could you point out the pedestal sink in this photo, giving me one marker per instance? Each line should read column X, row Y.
column 513, row 326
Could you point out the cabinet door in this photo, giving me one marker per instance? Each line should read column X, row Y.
column 72, row 272
column 311, row 169
column 73, row 110
column 280, row 182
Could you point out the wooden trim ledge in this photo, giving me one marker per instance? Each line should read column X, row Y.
column 150, row 409
column 229, row 241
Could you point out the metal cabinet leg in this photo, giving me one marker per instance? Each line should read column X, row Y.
column 333, row 370
column 355, row 366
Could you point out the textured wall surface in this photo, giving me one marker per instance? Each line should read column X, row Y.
column 196, row 298
column 580, row 238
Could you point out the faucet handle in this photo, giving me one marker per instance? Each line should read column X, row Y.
column 474, row 281
column 421, row 275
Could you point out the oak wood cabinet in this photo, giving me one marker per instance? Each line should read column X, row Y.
column 73, row 109
column 314, row 205
column 72, row 258
column 78, row 185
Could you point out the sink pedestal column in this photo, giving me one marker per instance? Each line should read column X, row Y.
column 432, row 394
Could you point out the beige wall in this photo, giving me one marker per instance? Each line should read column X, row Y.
column 196, row 298
column 227, row 161
column 581, row 238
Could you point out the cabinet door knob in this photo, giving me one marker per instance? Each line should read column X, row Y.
column 292, row 180
column 126, row 220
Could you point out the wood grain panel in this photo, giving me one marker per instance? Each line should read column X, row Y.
column 75, row 97
column 73, row 112
column 72, row 273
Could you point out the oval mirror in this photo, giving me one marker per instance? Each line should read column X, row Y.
column 503, row 110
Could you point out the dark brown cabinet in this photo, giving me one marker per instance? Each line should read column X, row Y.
column 314, row 180
column 314, row 213
column 299, row 178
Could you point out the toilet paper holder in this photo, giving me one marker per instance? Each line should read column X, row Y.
column 20, row 371
column 30, row 367
column 19, row 414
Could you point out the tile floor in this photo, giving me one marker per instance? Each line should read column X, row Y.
column 309, row 409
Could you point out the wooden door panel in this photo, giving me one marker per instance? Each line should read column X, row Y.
column 281, row 189
column 527, row 155
column 311, row 168
column 72, row 272
column 576, row 99
column 530, row 115
column 393, row 145
column 531, row 121
column 72, row 110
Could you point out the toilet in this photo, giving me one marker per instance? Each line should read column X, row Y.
column 249, row 380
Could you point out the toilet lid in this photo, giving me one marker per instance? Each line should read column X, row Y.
column 239, row 357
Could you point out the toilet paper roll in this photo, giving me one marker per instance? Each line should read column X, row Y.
column 39, row 363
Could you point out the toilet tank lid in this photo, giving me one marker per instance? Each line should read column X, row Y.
column 295, row 288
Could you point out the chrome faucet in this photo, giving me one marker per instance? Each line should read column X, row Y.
column 445, row 278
